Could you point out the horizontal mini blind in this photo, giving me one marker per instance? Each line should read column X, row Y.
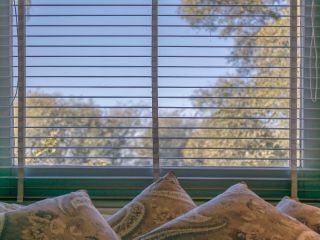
column 309, row 178
column 8, row 177
column 112, row 94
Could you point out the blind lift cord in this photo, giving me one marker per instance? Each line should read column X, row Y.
column 313, row 45
column 16, row 19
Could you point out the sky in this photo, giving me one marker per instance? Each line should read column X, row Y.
column 86, row 66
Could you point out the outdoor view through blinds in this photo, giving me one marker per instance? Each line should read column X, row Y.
column 191, row 82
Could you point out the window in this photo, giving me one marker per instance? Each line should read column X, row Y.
column 112, row 94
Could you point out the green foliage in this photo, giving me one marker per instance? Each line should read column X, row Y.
column 60, row 133
column 239, row 133
column 232, row 21
column 169, row 148
column 266, row 68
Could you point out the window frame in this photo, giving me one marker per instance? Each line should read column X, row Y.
column 113, row 186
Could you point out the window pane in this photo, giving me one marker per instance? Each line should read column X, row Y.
column 88, row 83
column 224, row 83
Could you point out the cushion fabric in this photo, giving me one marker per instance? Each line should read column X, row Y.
column 6, row 207
column 237, row 214
column 68, row 217
column 308, row 215
column 159, row 203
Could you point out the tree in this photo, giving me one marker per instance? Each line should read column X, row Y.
column 254, row 92
column 172, row 141
column 63, row 131
column 238, row 133
column 229, row 18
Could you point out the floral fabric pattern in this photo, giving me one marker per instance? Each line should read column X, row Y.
column 68, row 217
column 159, row 203
column 308, row 215
column 236, row 214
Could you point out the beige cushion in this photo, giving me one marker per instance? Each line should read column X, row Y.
column 67, row 217
column 159, row 203
column 237, row 214
column 6, row 207
column 306, row 214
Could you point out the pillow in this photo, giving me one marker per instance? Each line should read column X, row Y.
column 67, row 217
column 159, row 203
column 304, row 213
column 236, row 214
column 6, row 207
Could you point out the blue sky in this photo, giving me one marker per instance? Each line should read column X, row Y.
column 116, row 61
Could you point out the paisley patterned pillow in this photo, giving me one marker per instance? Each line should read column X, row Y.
column 6, row 207
column 236, row 214
column 306, row 214
column 159, row 203
column 67, row 217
